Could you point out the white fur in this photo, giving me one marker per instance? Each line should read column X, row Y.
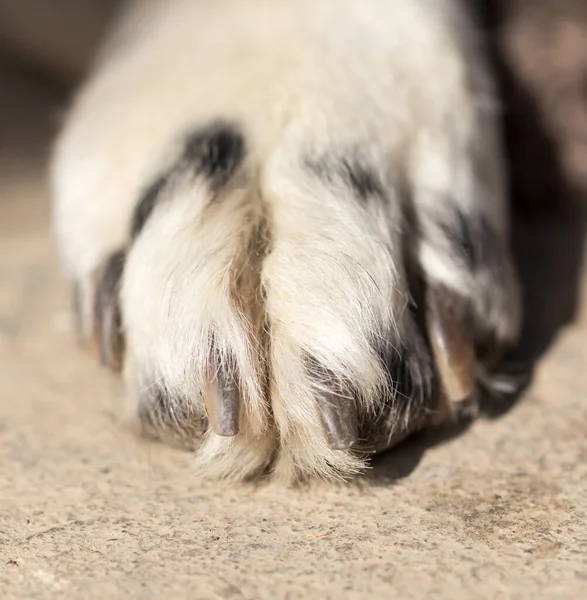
column 401, row 79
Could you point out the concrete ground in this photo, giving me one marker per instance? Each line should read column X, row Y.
column 88, row 510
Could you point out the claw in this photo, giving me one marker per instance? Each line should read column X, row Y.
column 107, row 321
column 222, row 402
column 110, row 339
column 451, row 344
column 339, row 419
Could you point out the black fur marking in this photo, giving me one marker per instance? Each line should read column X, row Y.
column 336, row 406
column 408, row 407
column 146, row 205
column 413, row 399
column 475, row 240
column 169, row 419
column 107, row 316
column 460, row 236
column 362, row 179
column 112, row 274
column 214, row 152
column 409, row 368
column 485, row 255
column 352, row 171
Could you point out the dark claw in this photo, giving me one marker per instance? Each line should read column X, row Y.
column 339, row 419
column 451, row 344
column 222, row 401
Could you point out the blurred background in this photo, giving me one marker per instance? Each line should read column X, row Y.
column 57, row 37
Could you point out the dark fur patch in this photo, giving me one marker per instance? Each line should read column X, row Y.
column 336, row 405
column 353, row 172
column 108, row 322
column 475, row 239
column 214, row 152
column 487, row 257
column 169, row 419
column 413, row 399
column 146, row 205
column 480, row 250
column 409, row 366
column 222, row 397
column 362, row 179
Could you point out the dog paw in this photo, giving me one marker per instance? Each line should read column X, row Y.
column 296, row 266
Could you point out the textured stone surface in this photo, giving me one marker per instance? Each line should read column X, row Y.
column 87, row 510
